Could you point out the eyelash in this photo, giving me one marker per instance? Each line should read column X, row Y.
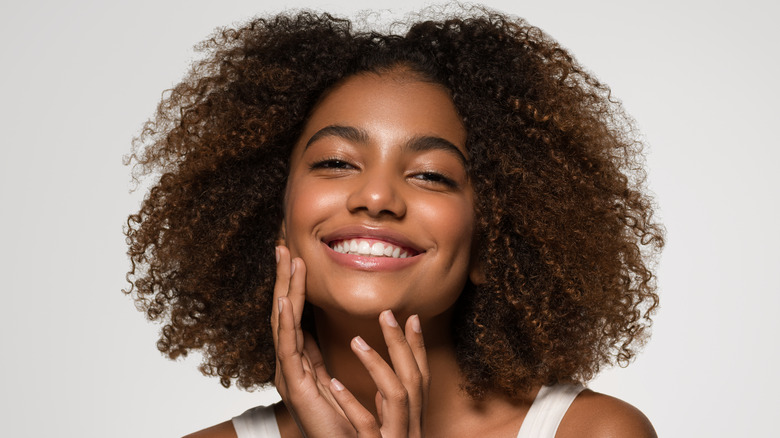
column 330, row 163
column 340, row 164
column 436, row 178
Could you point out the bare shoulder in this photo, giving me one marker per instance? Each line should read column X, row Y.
column 221, row 430
column 595, row 415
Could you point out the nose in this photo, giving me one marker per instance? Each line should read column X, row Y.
column 377, row 194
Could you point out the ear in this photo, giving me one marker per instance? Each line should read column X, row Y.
column 476, row 273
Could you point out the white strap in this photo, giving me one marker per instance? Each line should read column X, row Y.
column 547, row 411
column 541, row 421
column 259, row 422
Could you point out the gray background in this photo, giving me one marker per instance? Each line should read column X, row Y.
column 79, row 78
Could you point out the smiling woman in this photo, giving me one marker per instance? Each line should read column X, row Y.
column 380, row 164
column 321, row 184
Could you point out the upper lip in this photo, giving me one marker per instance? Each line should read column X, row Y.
column 367, row 232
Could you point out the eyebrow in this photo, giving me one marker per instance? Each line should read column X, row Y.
column 429, row 143
column 350, row 133
column 415, row 144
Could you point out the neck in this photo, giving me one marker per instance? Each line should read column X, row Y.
column 335, row 332
column 450, row 411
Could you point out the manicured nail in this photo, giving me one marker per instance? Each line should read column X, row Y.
column 390, row 318
column 361, row 344
column 292, row 267
column 276, row 252
column 281, row 304
column 336, row 384
column 416, row 324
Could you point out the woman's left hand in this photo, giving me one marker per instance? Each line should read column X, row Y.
column 402, row 390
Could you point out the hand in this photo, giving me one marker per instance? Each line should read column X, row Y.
column 321, row 406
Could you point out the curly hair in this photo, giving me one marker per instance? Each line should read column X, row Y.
column 566, row 236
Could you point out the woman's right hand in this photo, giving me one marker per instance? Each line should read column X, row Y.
column 321, row 406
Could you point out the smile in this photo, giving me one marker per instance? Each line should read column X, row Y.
column 370, row 248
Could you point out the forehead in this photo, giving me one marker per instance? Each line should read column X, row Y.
column 388, row 106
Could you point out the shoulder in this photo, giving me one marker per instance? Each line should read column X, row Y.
column 275, row 417
column 595, row 415
column 221, row 430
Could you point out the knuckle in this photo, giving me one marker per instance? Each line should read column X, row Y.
column 399, row 395
column 413, row 380
column 398, row 337
column 365, row 421
column 284, row 354
column 317, row 363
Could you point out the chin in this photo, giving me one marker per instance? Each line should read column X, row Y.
column 360, row 302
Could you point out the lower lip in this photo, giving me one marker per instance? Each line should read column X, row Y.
column 365, row 263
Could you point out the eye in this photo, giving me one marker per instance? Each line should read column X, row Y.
column 331, row 163
column 435, row 178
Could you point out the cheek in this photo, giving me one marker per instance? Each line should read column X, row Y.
column 307, row 205
column 452, row 221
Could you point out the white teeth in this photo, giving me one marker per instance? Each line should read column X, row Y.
column 364, row 248
column 377, row 249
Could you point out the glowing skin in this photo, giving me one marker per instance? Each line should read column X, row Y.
column 380, row 166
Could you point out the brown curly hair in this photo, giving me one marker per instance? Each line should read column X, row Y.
column 565, row 231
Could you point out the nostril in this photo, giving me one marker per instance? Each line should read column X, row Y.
column 377, row 194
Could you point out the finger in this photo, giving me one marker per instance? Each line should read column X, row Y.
column 311, row 351
column 280, row 289
column 360, row 418
column 297, row 295
column 290, row 360
column 321, row 375
column 378, row 403
column 308, row 369
column 281, row 286
column 414, row 339
column 404, row 363
column 395, row 398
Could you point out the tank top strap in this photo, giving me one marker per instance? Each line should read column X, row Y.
column 541, row 421
column 258, row 422
column 547, row 410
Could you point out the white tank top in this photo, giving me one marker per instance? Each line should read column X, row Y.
column 541, row 421
column 547, row 411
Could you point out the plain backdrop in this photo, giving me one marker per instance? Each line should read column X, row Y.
column 79, row 78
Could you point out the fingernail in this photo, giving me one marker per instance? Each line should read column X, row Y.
column 336, row 384
column 280, row 304
column 416, row 324
column 276, row 252
column 390, row 318
column 361, row 344
column 292, row 267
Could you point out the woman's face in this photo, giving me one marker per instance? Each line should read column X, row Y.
column 378, row 202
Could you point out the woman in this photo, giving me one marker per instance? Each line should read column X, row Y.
column 466, row 182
